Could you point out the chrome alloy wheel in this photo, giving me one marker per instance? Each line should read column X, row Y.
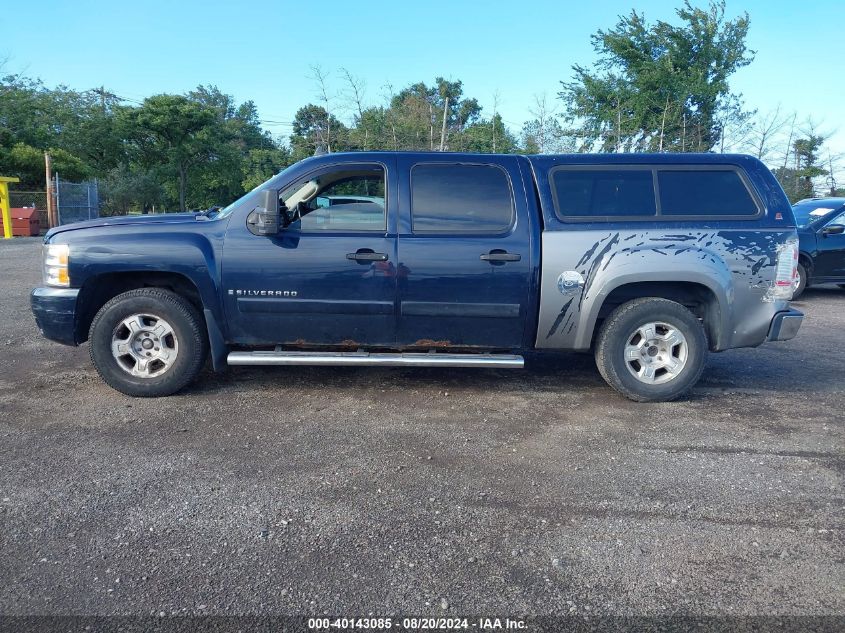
column 656, row 353
column 144, row 345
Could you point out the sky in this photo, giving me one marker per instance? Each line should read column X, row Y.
column 264, row 50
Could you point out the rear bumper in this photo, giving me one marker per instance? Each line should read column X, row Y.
column 55, row 313
column 785, row 325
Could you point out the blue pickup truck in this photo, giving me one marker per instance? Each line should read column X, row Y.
column 438, row 260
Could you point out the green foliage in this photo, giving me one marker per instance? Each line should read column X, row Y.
column 124, row 189
column 314, row 128
column 261, row 164
column 190, row 150
column 797, row 179
column 659, row 86
column 488, row 136
column 413, row 119
column 546, row 136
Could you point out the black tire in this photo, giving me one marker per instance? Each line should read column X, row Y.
column 616, row 333
column 188, row 341
column 802, row 282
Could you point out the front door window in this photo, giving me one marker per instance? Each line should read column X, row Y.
column 344, row 200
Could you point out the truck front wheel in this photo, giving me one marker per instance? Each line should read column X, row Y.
column 651, row 350
column 148, row 342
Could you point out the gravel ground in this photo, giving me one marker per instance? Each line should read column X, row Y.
column 421, row 491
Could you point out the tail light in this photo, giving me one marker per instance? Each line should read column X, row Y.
column 786, row 271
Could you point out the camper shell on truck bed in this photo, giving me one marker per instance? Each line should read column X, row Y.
column 439, row 259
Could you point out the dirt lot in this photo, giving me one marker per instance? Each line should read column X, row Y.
column 349, row 491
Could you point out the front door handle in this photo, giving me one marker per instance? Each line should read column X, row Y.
column 501, row 256
column 367, row 255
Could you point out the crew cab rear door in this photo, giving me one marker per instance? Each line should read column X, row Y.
column 464, row 252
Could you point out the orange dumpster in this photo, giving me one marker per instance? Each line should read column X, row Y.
column 25, row 221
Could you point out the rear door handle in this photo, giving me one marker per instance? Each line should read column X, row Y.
column 367, row 255
column 501, row 256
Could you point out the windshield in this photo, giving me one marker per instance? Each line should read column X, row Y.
column 808, row 212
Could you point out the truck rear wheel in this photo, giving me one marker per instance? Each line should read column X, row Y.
column 651, row 350
column 148, row 342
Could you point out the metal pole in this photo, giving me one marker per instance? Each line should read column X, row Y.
column 49, row 178
column 4, row 206
column 58, row 209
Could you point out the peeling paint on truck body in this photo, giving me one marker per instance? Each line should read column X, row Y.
column 736, row 266
column 734, row 259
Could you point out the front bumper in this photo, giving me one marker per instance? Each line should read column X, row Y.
column 55, row 313
column 785, row 325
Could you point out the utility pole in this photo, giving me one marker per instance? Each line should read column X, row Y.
column 430, row 127
column 443, row 128
column 48, row 175
column 495, row 112
column 618, row 127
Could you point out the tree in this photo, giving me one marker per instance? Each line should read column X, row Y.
column 175, row 130
column 314, row 128
column 544, row 134
column 261, row 164
column 34, row 119
column 124, row 190
column 797, row 180
column 763, row 131
column 423, row 117
column 659, row 87
column 488, row 136
column 29, row 162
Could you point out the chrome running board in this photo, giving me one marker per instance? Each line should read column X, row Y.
column 359, row 359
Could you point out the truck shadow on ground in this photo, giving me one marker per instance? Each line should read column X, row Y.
column 734, row 371
column 540, row 374
column 745, row 371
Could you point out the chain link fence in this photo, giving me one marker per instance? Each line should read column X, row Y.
column 74, row 201
column 77, row 201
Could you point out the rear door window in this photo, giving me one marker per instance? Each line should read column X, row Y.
column 704, row 192
column 460, row 198
column 604, row 193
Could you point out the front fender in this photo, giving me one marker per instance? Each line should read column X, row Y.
column 193, row 254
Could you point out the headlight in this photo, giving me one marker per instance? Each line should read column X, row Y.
column 56, row 264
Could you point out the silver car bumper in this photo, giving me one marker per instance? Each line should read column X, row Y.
column 785, row 325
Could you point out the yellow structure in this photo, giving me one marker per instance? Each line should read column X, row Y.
column 4, row 205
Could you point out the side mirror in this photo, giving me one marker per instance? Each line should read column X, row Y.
column 267, row 215
column 833, row 229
